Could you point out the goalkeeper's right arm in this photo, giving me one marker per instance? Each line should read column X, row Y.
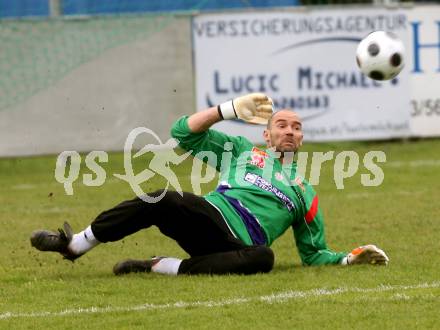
column 255, row 108
column 203, row 120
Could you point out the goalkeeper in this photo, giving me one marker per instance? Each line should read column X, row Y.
column 229, row 230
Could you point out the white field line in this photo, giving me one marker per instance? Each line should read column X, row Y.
column 412, row 163
column 270, row 299
column 24, row 186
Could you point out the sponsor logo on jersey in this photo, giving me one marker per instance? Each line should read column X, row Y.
column 259, row 182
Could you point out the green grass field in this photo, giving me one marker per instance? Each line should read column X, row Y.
column 42, row 291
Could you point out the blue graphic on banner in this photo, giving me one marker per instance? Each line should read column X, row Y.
column 417, row 46
column 317, row 41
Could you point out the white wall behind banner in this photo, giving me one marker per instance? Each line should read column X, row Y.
column 305, row 61
column 424, row 62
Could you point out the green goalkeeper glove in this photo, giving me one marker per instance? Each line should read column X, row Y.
column 367, row 254
column 255, row 108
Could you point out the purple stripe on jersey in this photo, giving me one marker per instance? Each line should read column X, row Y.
column 253, row 227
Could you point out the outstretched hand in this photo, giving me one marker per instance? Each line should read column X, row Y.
column 367, row 254
column 255, row 108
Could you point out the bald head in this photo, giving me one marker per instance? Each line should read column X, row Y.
column 283, row 113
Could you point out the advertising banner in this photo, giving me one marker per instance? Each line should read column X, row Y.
column 424, row 63
column 306, row 61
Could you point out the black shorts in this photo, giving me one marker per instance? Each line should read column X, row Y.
column 196, row 225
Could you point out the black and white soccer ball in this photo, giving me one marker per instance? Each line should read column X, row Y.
column 381, row 55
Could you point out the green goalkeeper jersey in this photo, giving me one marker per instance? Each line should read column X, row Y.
column 258, row 197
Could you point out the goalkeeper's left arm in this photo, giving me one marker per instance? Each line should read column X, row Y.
column 310, row 240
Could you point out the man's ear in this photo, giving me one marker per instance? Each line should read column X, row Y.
column 266, row 136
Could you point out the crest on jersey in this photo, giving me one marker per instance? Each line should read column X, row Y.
column 279, row 176
column 298, row 182
column 258, row 157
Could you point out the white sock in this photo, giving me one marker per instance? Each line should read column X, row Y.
column 344, row 261
column 83, row 241
column 169, row 266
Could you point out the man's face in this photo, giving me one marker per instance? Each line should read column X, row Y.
column 285, row 132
